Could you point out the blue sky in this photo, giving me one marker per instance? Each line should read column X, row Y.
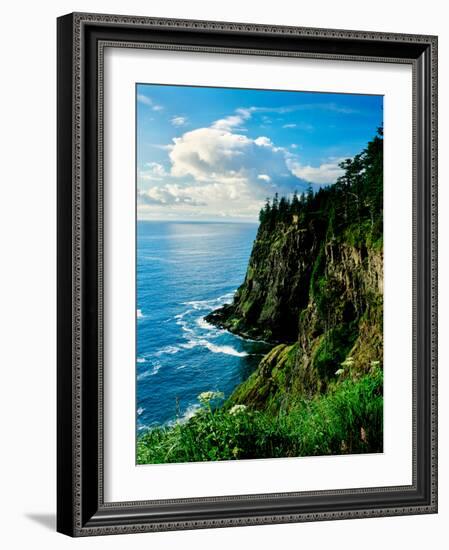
column 217, row 153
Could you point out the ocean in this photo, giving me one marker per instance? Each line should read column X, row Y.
column 184, row 271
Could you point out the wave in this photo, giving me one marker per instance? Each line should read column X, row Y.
column 183, row 324
column 190, row 412
column 210, row 304
column 188, row 324
column 170, row 350
column 150, row 372
column 139, row 314
column 141, row 360
column 140, row 410
column 190, row 344
column 227, row 350
column 183, row 314
column 143, row 427
column 202, row 323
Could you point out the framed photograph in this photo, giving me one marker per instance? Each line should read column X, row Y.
column 247, row 279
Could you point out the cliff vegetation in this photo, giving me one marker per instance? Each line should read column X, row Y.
column 314, row 289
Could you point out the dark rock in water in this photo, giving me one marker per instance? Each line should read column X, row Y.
column 220, row 316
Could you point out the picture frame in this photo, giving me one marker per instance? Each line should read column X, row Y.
column 81, row 506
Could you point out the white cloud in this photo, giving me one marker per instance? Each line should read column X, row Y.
column 325, row 173
column 215, row 155
column 263, row 141
column 208, row 154
column 167, row 195
column 205, row 201
column 333, row 107
column 153, row 172
column 146, row 100
column 299, row 126
column 232, row 121
column 214, row 172
column 217, row 171
column 329, row 107
column 179, row 120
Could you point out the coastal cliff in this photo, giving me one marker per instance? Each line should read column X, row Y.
column 314, row 288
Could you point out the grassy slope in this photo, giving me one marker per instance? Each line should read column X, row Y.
column 347, row 419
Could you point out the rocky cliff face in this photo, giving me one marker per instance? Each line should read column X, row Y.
column 276, row 286
column 314, row 288
column 321, row 298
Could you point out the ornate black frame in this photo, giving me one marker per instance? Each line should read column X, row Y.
column 81, row 507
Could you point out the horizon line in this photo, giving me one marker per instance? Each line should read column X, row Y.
column 196, row 221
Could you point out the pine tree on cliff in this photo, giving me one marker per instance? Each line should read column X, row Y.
column 356, row 196
column 265, row 213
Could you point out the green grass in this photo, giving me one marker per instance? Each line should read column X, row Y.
column 347, row 419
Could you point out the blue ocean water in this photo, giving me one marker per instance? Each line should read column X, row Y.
column 184, row 271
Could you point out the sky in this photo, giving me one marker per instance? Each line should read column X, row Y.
column 216, row 154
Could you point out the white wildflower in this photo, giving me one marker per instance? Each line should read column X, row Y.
column 339, row 371
column 237, row 409
column 207, row 396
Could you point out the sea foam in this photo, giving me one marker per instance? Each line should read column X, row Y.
column 191, row 411
column 202, row 323
column 170, row 350
column 227, row 350
column 150, row 372
column 210, row 304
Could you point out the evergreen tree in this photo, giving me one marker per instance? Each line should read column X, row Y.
column 264, row 215
column 355, row 198
column 284, row 209
column 295, row 203
column 309, row 195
